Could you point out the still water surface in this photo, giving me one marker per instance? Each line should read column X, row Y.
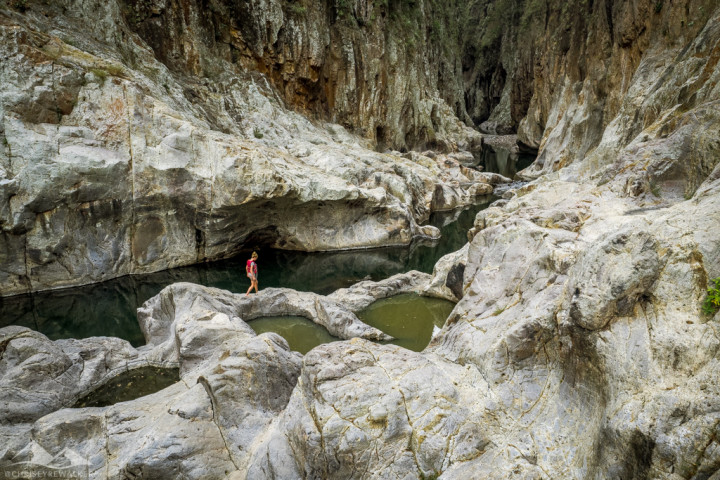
column 409, row 318
column 129, row 386
column 301, row 333
column 109, row 308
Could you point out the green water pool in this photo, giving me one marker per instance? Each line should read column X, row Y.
column 130, row 385
column 410, row 318
column 301, row 333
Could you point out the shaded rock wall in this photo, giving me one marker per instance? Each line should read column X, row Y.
column 174, row 132
column 375, row 67
column 599, row 66
column 112, row 163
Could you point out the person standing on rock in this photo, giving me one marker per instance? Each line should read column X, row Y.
column 251, row 271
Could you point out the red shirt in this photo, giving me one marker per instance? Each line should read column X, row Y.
column 251, row 267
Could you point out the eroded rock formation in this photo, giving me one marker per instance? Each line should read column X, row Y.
column 233, row 382
column 115, row 163
column 578, row 348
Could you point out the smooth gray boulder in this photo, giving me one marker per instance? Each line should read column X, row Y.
column 38, row 376
column 406, row 421
column 612, row 277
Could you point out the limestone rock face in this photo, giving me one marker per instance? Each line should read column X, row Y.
column 572, row 351
column 578, row 348
column 201, row 426
column 407, row 420
column 38, row 376
column 636, row 64
column 233, row 383
column 112, row 163
column 369, row 65
column 448, row 274
column 625, row 268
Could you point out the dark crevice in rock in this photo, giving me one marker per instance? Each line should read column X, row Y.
column 454, row 280
column 609, row 19
column 199, row 245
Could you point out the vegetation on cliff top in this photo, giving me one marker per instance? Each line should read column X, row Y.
column 712, row 302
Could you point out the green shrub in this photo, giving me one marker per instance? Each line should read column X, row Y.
column 257, row 133
column 100, row 74
column 712, row 302
column 298, row 9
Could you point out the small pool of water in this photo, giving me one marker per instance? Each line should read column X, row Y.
column 409, row 318
column 499, row 158
column 109, row 308
column 301, row 334
column 505, row 163
column 130, row 385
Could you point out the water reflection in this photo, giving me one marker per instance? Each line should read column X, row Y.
column 505, row 162
column 409, row 318
column 109, row 308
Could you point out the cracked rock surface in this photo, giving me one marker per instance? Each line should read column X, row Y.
column 234, row 383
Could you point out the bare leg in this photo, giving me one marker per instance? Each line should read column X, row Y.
column 252, row 282
column 255, row 284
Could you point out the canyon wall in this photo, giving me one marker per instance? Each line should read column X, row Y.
column 578, row 348
column 168, row 133
column 125, row 151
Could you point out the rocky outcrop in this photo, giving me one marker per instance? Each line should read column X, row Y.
column 575, row 350
column 203, row 425
column 578, row 347
column 388, row 70
column 578, row 350
column 233, row 383
column 193, row 140
column 112, row 164
column 611, row 70
column 336, row 312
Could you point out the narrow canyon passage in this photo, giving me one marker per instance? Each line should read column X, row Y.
column 569, row 293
